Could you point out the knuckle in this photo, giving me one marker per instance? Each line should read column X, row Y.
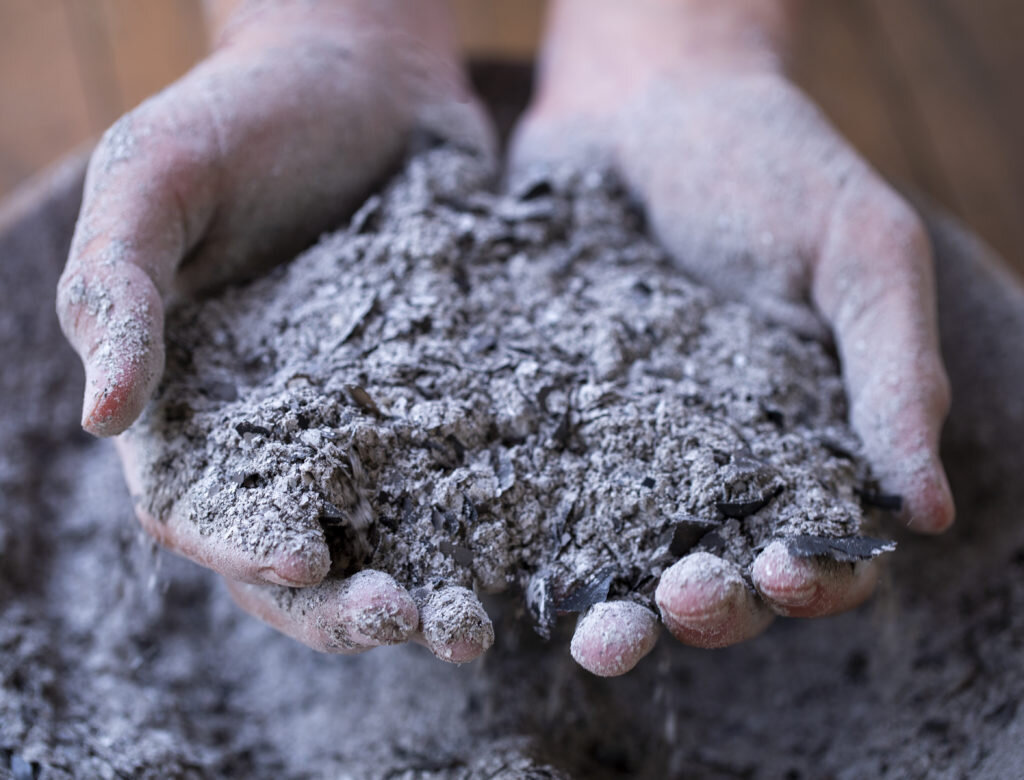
column 898, row 227
column 148, row 145
column 906, row 228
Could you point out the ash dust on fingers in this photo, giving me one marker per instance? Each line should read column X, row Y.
column 343, row 616
column 454, row 625
column 705, row 602
column 612, row 637
column 476, row 391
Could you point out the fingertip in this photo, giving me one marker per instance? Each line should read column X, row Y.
column 114, row 399
column 455, row 625
column 113, row 317
column 705, row 602
column 796, row 586
column 929, row 506
column 376, row 610
column 301, row 568
column 785, row 580
column 612, row 637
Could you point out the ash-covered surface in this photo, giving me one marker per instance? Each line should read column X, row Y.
column 476, row 388
column 117, row 661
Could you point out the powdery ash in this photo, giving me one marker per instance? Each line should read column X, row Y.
column 485, row 390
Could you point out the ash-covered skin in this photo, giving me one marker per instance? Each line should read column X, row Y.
column 472, row 389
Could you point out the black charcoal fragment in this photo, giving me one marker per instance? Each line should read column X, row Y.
column 845, row 550
column 362, row 399
column 741, row 509
column 688, row 534
column 248, row 427
column 888, row 502
column 584, row 595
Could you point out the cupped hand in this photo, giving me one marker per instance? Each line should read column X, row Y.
column 269, row 141
column 272, row 139
column 757, row 196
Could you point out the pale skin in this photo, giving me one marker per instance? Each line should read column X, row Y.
column 743, row 181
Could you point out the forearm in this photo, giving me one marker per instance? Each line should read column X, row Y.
column 596, row 48
column 428, row 22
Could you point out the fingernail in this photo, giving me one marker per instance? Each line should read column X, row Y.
column 116, row 393
column 784, row 579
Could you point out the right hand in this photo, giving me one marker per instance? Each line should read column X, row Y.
column 272, row 139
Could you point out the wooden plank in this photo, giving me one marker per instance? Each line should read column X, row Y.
column 92, row 47
column 499, row 29
column 43, row 109
column 832, row 63
column 990, row 35
column 967, row 138
column 995, row 31
column 15, row 12
column 896, row 87
column 153, row 42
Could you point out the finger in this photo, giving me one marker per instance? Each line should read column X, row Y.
column 875, row 284
column 454, row 625
column 347, row 616
column 811, row 587
column 147, row 200
column 612, row 637
column 113, row 317
column 705, row 602
column 273, row 552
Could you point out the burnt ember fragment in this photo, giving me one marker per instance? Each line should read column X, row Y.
column 362, row 399
column 713, row 542
column 331, row 514
column 540, row 603
column 688, row 534
column 538, row 189
column 450, row 453
column 550, row 594
column 837, row 449
column 887, row 501
column 845, row 550
column 245, row 427
column 774, row 416
column 563, row 434
column 584, row 595
column 741, row 509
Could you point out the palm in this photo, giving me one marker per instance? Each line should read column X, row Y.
column 755, row 195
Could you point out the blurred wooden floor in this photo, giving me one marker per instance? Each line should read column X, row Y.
column 932, row 91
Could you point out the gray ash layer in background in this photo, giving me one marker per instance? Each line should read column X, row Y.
column 117, row 661
column 476, row 388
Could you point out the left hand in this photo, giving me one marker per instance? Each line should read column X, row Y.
column 758, row 197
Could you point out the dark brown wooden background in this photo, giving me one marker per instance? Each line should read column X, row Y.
column 932, row 91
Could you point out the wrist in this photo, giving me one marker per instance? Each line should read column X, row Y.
column 596, row 52
column 238, row 22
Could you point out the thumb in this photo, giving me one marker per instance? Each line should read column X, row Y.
column 131, row 235
column 875, row 283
